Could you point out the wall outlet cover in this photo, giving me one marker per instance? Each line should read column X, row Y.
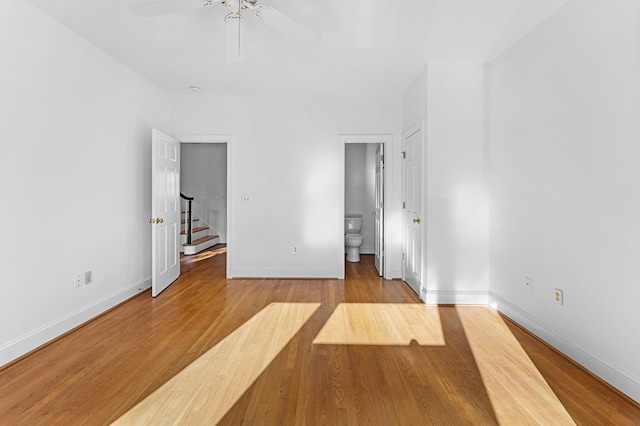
column 558, row 296
column 528, row 283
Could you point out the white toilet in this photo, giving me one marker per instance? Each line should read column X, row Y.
column 353, row 239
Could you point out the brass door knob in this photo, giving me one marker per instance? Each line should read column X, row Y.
column 152, row 220
column 159, row 220
column 416, row 220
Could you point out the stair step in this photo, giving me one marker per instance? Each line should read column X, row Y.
column 200, row 244
column 195, row 230
column 183, row 221
column 201, row 240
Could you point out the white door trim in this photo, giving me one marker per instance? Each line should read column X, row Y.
column 344, row 139
column 228, row 139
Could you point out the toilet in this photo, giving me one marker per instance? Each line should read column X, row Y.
column 352, row 238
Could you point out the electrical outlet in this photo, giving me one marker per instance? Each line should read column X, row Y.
column 88, row 277
column 296, row 249
column 528, row 283
column 558, row 296
column 78, row 281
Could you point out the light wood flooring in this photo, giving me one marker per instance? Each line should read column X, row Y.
column 300, row 352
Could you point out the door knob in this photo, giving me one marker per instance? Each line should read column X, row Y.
column 152, row 220
column 159, row 220
column 416, row 220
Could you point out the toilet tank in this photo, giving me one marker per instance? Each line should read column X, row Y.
column 352, row 223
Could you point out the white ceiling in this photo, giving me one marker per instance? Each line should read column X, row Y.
column 371, row 46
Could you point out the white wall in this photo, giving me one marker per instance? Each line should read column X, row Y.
column 74, row 178
column 203, row 175
column 360, row 189
column 286, row 156
column 565, row 203
column 449, row 98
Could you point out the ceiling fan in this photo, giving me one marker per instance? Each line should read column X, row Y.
column 234, row 20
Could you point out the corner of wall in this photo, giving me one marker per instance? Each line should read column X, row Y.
column 608, row 372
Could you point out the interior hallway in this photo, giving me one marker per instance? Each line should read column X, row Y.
column 359, row 351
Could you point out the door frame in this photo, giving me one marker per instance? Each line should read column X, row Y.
column 344, row 139
column 228, row 139
column 419, row 126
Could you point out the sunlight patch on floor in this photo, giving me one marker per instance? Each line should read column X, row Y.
column 203, row 255
column 518, row 392
column 382, row 324
column 205, row 390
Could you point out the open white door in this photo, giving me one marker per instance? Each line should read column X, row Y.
column 165, row 211
column 412, row 207
column 379, row 212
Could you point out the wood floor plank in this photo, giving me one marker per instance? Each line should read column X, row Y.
column 369, row 365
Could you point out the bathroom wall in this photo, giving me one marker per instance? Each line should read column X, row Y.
column 360, row 189
column 203, row 175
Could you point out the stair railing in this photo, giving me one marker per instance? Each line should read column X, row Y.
column 188, row 200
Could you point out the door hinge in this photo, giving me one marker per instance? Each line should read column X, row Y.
column 404, row 205
column 382, row 159
column 404, row 155
column 402, row 256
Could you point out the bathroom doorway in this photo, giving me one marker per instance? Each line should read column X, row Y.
column 364, row 189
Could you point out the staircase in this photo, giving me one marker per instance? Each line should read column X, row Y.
column 195, row 236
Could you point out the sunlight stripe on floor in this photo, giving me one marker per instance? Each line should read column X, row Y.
column 382, row 324
column 518, row 392
column 205, row 390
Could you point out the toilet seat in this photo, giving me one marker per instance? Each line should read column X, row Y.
column 353, row 240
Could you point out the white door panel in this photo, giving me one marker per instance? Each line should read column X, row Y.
column 165, row 252
column 379, row 211
column 412, row 213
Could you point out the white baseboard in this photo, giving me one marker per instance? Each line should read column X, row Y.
column 393, row 274
column 616, row 377
column 281, row 273
column 30, row 341
column 454, row 297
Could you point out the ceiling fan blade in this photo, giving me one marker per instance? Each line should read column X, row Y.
column 283, row 23
column 162, row 7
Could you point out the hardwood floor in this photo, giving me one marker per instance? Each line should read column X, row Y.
column 243, row 352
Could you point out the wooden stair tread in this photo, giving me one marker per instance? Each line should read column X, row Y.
column 201, row 240
column 196, row 229
column 183, row 221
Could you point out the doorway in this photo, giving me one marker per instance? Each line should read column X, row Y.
column 363, row 193
column 203, row 176
column 205, row 171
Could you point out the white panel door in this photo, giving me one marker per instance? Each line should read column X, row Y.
column 412, row 211
column 165, row 211
column 379, row 212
